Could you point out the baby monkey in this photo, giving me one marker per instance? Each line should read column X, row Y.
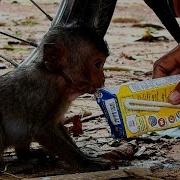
column 35, row 97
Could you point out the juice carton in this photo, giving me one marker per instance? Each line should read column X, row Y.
column 137, row 108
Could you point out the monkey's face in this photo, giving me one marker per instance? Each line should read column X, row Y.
column 82, row 65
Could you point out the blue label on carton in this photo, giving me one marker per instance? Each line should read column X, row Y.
column 108, row 102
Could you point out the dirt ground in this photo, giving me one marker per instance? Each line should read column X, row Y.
column 136, row 58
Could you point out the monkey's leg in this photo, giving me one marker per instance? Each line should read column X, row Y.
column 70, row 140
column 56, row 140
column 23, row 151
column 66, row 134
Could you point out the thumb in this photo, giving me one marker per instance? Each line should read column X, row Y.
column 174, row 97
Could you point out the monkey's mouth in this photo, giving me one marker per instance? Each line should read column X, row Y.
column 87, row 88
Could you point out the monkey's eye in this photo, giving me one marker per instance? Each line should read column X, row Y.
column 98, row 64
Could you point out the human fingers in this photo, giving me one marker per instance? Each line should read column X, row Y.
column 168, row 64
column 174, row 97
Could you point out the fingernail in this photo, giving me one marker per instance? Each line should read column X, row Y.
column 174, row 97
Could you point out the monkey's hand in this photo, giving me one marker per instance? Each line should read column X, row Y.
column 97, row 164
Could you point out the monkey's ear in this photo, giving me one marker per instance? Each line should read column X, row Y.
column 54, row 56
column 50, row 56
column 50, row 52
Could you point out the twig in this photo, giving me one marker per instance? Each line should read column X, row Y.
column 84, row 119
column 149, row 25
column 137, row 175
column 95, row 128
column 85, row 106
column 92, row 117
column 10, row 61
column 12, row 175
column 124, row 68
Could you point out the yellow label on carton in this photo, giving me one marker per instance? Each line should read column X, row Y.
column 153, row 118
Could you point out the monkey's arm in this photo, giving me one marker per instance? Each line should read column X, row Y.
column 56, row 140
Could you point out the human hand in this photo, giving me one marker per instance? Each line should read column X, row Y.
column 169, row 65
